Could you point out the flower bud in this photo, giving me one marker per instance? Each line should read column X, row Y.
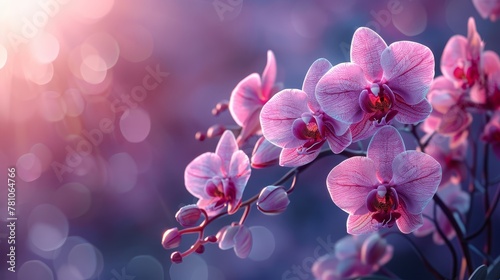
column 200, row 249
column 211, row 239
column 273, row 200
column 375, row 251
column 176, row 257
column 171, row 238
column 188, row 215
column 238, row 237
column 265, row 154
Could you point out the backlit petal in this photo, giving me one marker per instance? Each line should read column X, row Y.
column 416, row 177
column 268, row 76
column 225, row 148
column 350, row 182
column 385, row 145
column 366, row 49
column 338, row 92
column 289, row 157
column 314, row 74
column 360, row 224
column 198, row 171
column 245, row 98
column 278, row 115
column 411, row 114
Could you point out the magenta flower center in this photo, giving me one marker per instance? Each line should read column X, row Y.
column 222, row 190
column 468, row 74
column 383, row 202
column 377, row 101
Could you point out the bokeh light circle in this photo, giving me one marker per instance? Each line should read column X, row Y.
column 35, row 269
column 263, row 243
column 145, row 267
column 52, row 107
column 83, row 257
column 74, row 199
column 48, row 227
column 412, row 20
column 122, row 172
column 135, row 125
column 29, row 167
column 191, row 268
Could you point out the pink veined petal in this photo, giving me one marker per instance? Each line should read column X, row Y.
column 278, row 115
column 408, row 222
column 411, row 114
column 454, row 121
column 416, row 177
column 268, row 76
column 366, row 49
column 314, row 74
column 338, row 143
column 290, row 158
column 338, row 92
column 249, row 128
column 454, row 52
column 226, row 241
column 474, row 40
column 360, row 224
column 239, row 173
column 385, row 145
column 265, row 154
column 243, row 242
column 491, row 62
column 198, row 171
column 443, row 95
column 408, row 69
column 363, row 129
column 245, row 98
column 487, row 8
column 225, row 148
column 350, row 182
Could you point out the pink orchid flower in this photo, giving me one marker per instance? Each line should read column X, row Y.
column 449, row 116
column 249, row 96
column 389, row 185
column 456, row 200
column 491, row 133
column 380, row 83
column 353, row 256
column 294, row 121
column 451, row 158
column 461, row 60
column 488, row 8
column 218, row 179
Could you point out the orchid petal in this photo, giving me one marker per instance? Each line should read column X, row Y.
column 317, row 70
column 268, row 76
column 408, row 222
column 279, row 113
column 338, row 92
column 225, row 148
column 245, row 99
column 454, row 52
column 363, row 129
column 265, row 154
column 408, row 69
column 289, row 157
column 350, row 182
column 385, row 145
column 243, row 242
column 411, row 114
column 366, row 49
column 199, row 171
column 416, row 177
column 338, row 143
column 360, row 224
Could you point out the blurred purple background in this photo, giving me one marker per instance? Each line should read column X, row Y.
column 72, row 69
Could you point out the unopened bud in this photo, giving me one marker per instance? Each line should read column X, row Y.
column 200, row 136
column 220, row 107
column 273, row 200
column 171, row 238
column 188, row 215
column 215, row 130
column 238, row 237
column 200, row 249
column 211, row 239
column 176, row 257
column 375, row 250
column 265, row 154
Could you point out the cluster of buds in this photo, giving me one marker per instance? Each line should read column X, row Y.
column 271, row 200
